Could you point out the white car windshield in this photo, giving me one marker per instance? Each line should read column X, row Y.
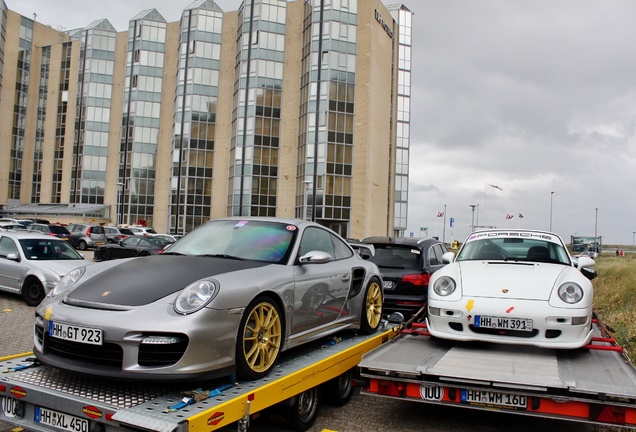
column 514, row 249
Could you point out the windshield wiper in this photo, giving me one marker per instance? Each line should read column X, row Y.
column 173, row 253
column 222, row 256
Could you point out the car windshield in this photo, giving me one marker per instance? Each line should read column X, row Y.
column 393, row 256
column 245, row 239
column 514, row 249
column 46, row 250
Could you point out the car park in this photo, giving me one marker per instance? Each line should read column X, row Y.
column 84, row 236
column 143, row 231
column 132, row 246
column 407, row 264
column 31, row 264
column 54, row 230
column 513, row 287
column 117, row 234
column 250, row 288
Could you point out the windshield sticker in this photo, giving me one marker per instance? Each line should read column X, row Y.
column 240, row 224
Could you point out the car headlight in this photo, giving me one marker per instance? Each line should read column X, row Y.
column 68, row 281
column 195, row 296
column 444, row 286
column 570, row 292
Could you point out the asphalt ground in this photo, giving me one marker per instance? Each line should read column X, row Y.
column 363, row 414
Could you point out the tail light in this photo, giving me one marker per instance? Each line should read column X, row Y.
column 121, row 236
column 160, row 251
column 418, row 279
column 88, row 231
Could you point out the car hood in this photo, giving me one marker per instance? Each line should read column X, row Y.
column 517, row 280
column 139, row 281
column 61, row 267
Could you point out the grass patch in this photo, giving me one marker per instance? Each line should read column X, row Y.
column 615, row 298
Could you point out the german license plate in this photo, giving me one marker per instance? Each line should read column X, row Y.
column 501, row 323
column 92, row 336
column 60, row 420
column 387, row 285
column 493, row 399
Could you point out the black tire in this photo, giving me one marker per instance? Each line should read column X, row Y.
column 82, row 245
column 338, row 390
column 33, row 291
column 304, row 411
column 104, row 254
column 259, row 339
column 371, row 308
column 144, row 253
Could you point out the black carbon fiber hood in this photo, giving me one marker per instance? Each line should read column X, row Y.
column 144, row 280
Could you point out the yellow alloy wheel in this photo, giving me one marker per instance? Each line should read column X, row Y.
column 261, row 338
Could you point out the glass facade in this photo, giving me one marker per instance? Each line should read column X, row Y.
column 258, row 96
column 403, row 135
column 196, row 105
column 61, row 123
column 20, row 107
column 92, row 114
column 325, row 162
column 45, row 67
column 141, row 115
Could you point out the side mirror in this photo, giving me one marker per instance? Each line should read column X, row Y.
column 13, row 257
column 315, row 257
column 589, row 272
column 448, row 257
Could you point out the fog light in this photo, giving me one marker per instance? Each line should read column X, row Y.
column 433, row 311
column 160, row 340
column 579, row 320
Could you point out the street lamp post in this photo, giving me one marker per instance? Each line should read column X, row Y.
column 444, row 229
column 634, row 238
column 551, row 195
column 472, row 223
column 120, row 203
column 595, row 230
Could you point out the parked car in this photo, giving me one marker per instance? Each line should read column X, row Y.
column 143, row 231
column 131, row 247
column 169, row 237
column 116, row 234
column 513, row 287
column 31, row 264
column 23, row 222
column 12, row 226
column 84, row 236
column 51, row 229
column 229, row 296
column 406, row 264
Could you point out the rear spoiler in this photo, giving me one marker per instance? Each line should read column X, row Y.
column 363, row 249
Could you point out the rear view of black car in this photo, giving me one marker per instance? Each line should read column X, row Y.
column 406, row 264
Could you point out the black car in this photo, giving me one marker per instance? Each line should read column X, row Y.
column 54, row 230
column 131, row 247
column 406, row 264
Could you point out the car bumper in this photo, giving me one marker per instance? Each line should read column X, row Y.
column 205, row 348
column 551, row 327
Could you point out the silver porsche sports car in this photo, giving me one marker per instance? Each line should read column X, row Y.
column 228, row 297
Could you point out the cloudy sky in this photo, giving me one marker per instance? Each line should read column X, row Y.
column 536, row 97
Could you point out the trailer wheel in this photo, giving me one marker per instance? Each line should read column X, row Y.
column 338, row 390
column 372, row 308
column 304, row 410
column 259, row 339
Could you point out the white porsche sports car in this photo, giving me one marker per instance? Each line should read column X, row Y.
column 513, row 287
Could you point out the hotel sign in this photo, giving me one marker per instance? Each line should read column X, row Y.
column 385, row 26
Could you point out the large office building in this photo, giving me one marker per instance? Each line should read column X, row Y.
column 282, row 108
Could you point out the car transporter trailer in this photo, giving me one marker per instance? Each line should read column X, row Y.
column 594, row 384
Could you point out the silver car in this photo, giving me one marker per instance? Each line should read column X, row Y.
column 32, row 264
column 228, row 297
